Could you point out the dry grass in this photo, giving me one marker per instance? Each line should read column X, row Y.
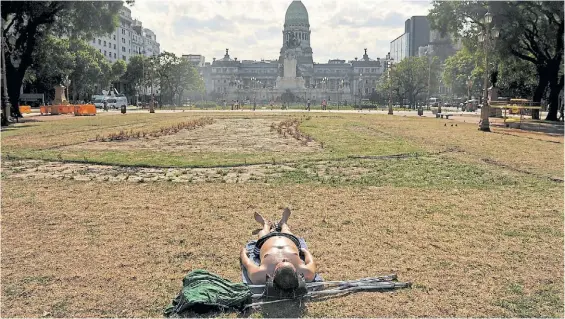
column 291, row 128
column 169, row 130
column 76, row 249
column 475, row 220
column 528, row 151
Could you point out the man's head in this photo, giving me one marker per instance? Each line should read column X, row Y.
column 285, row 276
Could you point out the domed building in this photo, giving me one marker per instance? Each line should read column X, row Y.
column 297, row 25
column 337, row 81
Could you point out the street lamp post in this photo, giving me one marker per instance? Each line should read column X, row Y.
column 390, row 65
column 428, row 53
column 360, row 92
column 486, row 36
column 152, row 104
column 469, row 85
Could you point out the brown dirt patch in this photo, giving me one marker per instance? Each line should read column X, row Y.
column 37, row 169
column 224, row 135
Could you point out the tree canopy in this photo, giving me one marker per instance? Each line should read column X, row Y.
column 531, row 31
column 25, row 24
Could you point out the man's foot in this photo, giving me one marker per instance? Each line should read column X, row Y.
column 285, row 216
column 259, row 218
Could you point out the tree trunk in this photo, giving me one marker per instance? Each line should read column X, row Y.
column 4, row 119
column 15, row 78
column 555, row 87
column 542, row 84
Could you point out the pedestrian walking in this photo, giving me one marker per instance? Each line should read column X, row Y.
column 308, row 105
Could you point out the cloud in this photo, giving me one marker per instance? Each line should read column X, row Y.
column 252, row 29
column 392, row 19
column 188, row 24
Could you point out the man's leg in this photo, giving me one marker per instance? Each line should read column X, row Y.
column 284, row 220
column 266, row 225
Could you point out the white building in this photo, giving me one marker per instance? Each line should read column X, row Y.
column 129, row 39
column 197, row 60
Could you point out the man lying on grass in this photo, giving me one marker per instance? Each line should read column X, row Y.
column 280, row 256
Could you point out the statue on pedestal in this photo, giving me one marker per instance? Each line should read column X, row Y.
column 292, row 42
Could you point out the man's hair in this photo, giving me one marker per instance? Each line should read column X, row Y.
column 286, row 278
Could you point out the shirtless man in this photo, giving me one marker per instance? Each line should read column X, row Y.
column 280, row 256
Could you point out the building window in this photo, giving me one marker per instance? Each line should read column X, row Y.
column 114, row 37
column 123, row 31
column 104, row 43
column 114, row 46
column 123, row 40
column 123, row 49
column 105, row 53
column 114, row 55
column 99, row 42
column 123, row 57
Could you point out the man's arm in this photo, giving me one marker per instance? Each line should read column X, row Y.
column 309, row 267
column 255, row 273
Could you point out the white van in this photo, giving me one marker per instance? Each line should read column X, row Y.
column 117, row 102
column 98, row 100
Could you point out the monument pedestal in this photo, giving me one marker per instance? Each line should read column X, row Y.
column 287, row 83
column 60, row 98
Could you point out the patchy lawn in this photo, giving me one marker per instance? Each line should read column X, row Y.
column 109, row 229
column 76, row 249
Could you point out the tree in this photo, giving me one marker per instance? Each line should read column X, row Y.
column 91, row 70
column 411, row 77
column 186, row 78
column 117, row 71
column 529, row 30
column 52, row 60
column 56, row 58
column 27, row 23
column 458, row 69
column 134, row 75
column 517, row 77
column 175, row 76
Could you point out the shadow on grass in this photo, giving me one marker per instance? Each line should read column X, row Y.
column 282, row 309
column 15, row 126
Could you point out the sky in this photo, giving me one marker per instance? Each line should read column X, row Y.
column 252, row 29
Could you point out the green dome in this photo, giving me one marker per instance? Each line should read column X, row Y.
column 296, row 14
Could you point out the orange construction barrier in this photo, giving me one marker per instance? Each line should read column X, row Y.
column 85, row 109
column 45, row 109
column 62, row 109
column 66, row 109
column 54, row 110
column 25, row 109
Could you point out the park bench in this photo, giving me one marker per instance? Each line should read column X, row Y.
column 442, row 115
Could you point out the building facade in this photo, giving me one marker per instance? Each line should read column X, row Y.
column 399, row 47
column 416, row 34
column 129, row 39
column 228, row 78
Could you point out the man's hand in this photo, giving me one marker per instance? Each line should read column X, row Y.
column 255, row 273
